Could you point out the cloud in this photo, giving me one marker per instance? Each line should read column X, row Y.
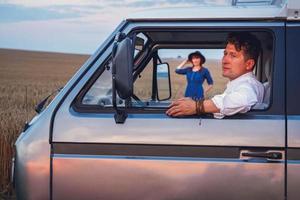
column 150, row 3
column 169, row 3
column 17, row 10
column 79, row 9
column 35, row 3
column 17, row 13
column 71, row 26
column 143, row 4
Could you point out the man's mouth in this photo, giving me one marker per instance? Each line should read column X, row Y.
column 226, row 68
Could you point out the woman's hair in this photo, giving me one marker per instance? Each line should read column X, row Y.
column 197, row 54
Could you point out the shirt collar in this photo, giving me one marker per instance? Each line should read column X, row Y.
column 241, row 78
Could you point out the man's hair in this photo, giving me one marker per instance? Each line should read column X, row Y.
column 247, row 42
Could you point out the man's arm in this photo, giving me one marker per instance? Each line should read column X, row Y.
column 210, row 107
column 239, row 101
column 187, row 106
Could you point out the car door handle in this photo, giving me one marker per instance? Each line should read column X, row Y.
column 269, row 155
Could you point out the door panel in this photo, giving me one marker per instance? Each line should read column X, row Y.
column 294, row 131
column 293, row 172
column 293, row 110
column 176, row 158
column 161, row 178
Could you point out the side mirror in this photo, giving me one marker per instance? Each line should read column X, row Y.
column 163, row 82
column 122, row 79
column 122, row 68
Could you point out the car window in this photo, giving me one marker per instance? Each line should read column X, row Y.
column 149, row 84
column 101, row 91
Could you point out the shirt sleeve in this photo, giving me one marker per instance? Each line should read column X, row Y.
column 218, row 100
column 208, row 78
column 241, row 100
column 182, row 71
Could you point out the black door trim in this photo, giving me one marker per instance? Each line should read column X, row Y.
column 111, row 149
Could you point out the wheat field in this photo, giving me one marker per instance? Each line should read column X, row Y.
column 26, row 77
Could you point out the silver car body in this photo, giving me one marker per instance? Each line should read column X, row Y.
column 65, row 154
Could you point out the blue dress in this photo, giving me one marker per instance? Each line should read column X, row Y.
column 195, row 80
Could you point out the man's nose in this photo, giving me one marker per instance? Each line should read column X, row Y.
column 225, row 59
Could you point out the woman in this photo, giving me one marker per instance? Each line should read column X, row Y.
column 195, row 76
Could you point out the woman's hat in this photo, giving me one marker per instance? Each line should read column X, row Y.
column 197, row 54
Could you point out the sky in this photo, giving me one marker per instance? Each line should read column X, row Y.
column 77, row 26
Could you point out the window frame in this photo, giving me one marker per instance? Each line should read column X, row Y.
column 81, row 108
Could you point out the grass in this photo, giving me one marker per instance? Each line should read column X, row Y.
column 26, row 77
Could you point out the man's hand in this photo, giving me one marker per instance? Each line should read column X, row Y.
column 180, row 107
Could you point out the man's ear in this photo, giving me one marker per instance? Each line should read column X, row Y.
column 250, row 64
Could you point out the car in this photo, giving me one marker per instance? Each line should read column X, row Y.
column 106, row 135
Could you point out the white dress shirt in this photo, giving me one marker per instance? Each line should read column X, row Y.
column 239, row 96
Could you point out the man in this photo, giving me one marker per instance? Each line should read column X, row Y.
column 243, row 90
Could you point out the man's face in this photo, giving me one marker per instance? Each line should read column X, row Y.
column 234, row 63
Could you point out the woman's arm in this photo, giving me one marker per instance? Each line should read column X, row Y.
column 182, row 64
column 207, row 89
column 209, row 81
column 180, row 69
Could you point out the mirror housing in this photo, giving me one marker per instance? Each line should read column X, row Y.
column 122, row 78
column 122, row 68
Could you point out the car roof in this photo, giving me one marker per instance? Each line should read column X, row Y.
column 236, row 10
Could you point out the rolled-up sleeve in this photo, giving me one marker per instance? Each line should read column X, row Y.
column 239, row 101
column 218, row 100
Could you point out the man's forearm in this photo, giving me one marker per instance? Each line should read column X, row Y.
column 188, row 106
column 210, row 107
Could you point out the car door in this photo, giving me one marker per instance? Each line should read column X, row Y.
column 153, row 156
column 293, row 111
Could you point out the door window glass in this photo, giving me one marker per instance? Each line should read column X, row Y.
column 151, row 83
column 101, row 91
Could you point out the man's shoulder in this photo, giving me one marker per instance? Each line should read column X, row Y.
column 254, row 81
column 250, row 79
column 247, row 82
column 250, row 82
column 251, row 85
